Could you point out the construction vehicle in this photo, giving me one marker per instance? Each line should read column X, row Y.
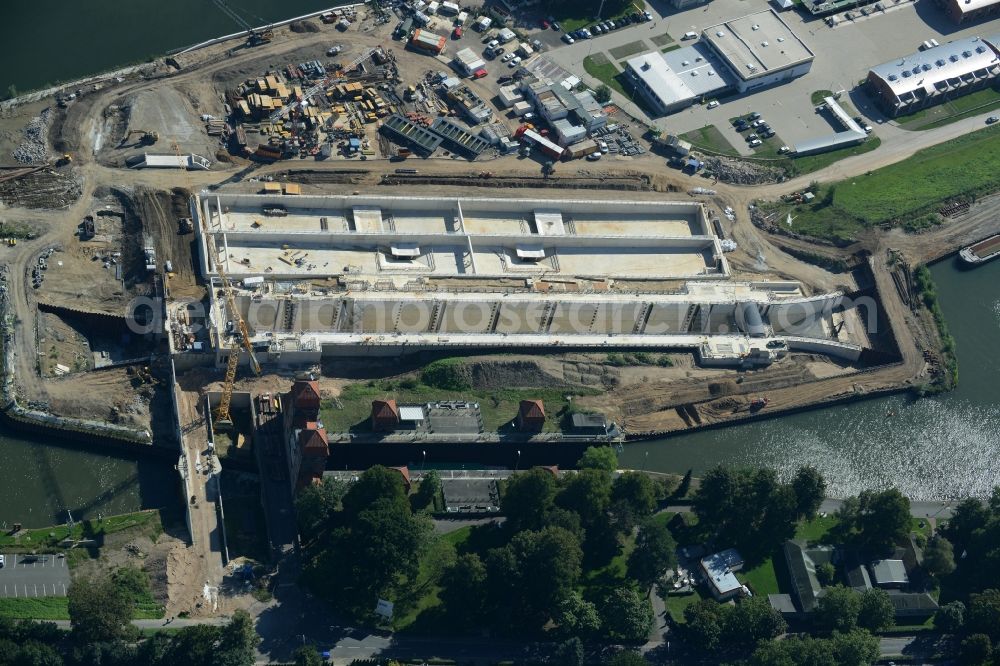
column 257, row 37
column 64, row 160
column 146, row 138
column 186, row 225
column 240, row 339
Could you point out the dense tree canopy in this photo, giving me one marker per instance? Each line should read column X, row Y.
column 838, row 609
column 751, row 622
column 855, row 648
column 627, row 615
column 599, row 457
column 877, row 520
column 654, row 553
column 316, row 503
column 810, row 489
column 939, row 556
column 528, row 498
column 463, row 590
column 876, row 612
column 750, row 509
column 99, row 610
column 950, row 618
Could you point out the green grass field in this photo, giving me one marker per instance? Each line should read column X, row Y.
column 710, row 138
column 423, row 593
column 900, row 192
column 47, row 539
column 497, row 407
column 35, row 608
column 973, row 104
column 570, row 21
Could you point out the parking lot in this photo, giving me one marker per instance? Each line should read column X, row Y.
column 34, row 576
column 843, row 56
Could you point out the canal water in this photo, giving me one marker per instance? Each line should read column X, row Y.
column 40, row 482
column 934, row 448
column 49, row 41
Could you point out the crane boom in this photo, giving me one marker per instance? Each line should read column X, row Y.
column 241, row 339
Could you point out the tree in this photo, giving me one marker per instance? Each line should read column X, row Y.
column 375, row 483
column 838, row 609
column 876, row 612
column 462, row 590
column 939, row 557
column 317, row 502
column 532, row 575
column 703, row 622
column 627, row 658
column 587, row 493
column 975, row 650
column 307, row 655
column 627, row 614
column 983, row 615
column 602, row 94
column 193, row 646
column 239, row 641
column 577, row 616
column 527, row 499
column 810, row 489
column 637, row 491
column 99, row 611
column 883, row 518
column 950, row 618
column 427, row 491
column 750, row 509
column 570, row 652
column 34, row 653
column 855, row 648
column 655, row 551
column 753, row 621
column 383, row 544
column 598, row 457
column 825, row 574
column 970, row 515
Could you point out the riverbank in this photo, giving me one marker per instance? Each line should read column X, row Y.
column 129, row 34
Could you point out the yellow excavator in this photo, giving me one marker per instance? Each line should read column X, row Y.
column 146, row 137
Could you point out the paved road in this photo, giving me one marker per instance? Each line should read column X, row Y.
column 48, row 576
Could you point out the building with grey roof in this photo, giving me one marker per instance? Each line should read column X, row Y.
column 719, row 571
column 889, row 573
column 967, row 11
column 850, row 133
column 759, row 49
column 675, row 80
column 926, row 78
column 802, row 563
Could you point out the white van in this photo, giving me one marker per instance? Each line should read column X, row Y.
column 690, row 35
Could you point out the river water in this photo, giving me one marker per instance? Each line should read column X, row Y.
column 934, row 448
column 48, row 41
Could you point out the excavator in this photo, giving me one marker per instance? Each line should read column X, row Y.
column 146, row 138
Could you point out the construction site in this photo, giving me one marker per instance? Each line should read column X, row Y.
column 275, row 234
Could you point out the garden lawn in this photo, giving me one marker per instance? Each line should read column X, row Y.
column 35, row 608
column 425, row 589
column 710, row 138
column 497, row 407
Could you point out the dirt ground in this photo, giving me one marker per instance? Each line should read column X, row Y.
column 112, row 395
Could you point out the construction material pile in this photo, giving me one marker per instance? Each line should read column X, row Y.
column 33, row 150
column 742, row 172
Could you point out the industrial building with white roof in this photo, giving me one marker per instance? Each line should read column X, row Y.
column 319, row 276
column 740, row 55
column 967, row 11
column 929, row 77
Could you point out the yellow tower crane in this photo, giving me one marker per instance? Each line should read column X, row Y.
column 241, row 338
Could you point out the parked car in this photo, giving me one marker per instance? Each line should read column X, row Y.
column 992, row 119
column 597, row 29
column 545, row 24
column 714, row 103
column 568, row 39
column 755, row 143
column 593, row 157
column 752, row 137
column 514, row 63
column 784, row 149
column 757, row 123
column 2, row 562
column 556, row 27
column 586, row 33
column 754, row 116
column 602, row 145
column 767, row 134
column 867, row 129
column 649, row 17
column 507, row 58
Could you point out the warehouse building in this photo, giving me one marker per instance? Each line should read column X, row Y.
column 675, row 80
column 759, row 50
column 379, row 275
column 468, row 63
column 967, row 11
column 926, row 78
